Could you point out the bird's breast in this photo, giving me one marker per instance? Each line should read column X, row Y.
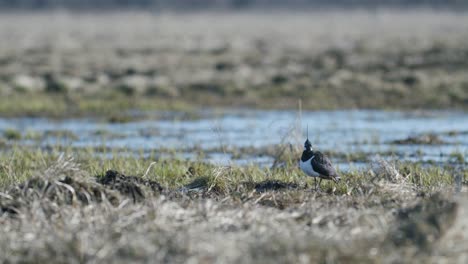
column 306, row 167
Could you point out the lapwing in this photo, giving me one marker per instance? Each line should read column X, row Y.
column 316, row 164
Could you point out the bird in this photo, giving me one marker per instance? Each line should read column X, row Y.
column 316, row 164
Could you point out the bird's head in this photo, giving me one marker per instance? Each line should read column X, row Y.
column 307, row 145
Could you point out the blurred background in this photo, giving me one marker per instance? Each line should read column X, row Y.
column 193, row 4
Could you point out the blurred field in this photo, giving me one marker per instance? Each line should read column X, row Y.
column 63, row 64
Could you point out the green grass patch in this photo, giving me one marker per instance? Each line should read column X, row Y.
column 21, row 163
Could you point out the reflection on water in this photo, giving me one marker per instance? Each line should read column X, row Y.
column 337, row 131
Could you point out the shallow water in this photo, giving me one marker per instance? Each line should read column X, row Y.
column 338, row 131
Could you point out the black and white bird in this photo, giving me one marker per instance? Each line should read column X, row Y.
column 316, row 164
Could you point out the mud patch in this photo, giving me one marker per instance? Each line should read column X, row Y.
column 274, row 185
column 427, row 139
column 131, row 186
column 425, row 223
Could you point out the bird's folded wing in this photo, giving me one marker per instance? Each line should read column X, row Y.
column 321, row 164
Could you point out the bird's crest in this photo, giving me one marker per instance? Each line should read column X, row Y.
column 307, row 144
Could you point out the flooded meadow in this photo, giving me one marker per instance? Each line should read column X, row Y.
column 239, row 137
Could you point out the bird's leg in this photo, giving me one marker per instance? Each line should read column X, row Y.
column 320, row 183
column 315, row 182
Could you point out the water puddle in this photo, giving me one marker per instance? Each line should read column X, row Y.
column 347, row 132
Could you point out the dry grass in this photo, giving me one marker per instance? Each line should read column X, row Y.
column 232, row 215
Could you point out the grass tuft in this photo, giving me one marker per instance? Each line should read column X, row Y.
column 12, row 134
